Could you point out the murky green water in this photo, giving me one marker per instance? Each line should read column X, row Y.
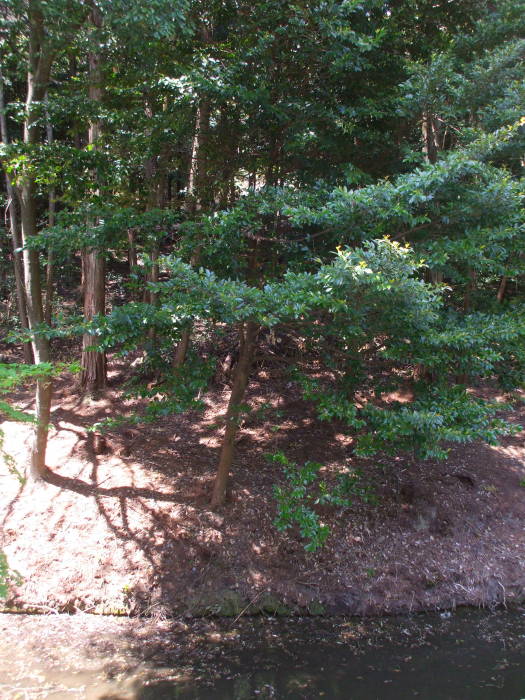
column 458, row 656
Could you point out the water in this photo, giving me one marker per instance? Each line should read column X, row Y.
column 453, row 656
column 464, row 657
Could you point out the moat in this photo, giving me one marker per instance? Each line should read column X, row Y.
column 463, row 655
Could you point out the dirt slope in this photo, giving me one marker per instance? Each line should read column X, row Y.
column 130, row 530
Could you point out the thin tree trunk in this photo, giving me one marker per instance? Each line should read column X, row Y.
column 155, row 176
column 155, row 171
column 39, row 68
column 18, row 268
column 51, row 222
column 133, row 264
column 271, row 177
column 240, row 382
column 198, row 195
column 430, row 142
column 50, row 281
column 154, row 275
column 469, row 290
column 430, row 151
column 16, row 238
column 502, row 289
column 44, row 396
column 181, row 351
column 93, row 377
column 132, row 250
column 153, row 296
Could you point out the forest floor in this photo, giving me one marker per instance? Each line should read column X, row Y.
column 131, row 531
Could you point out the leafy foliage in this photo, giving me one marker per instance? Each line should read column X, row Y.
column 303, row 493
column 344, row 176
column 7, row 576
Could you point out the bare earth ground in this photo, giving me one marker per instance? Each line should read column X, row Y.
column 131, row 531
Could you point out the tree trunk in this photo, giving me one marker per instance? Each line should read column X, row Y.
column 198, row 176
column 44, row 395
column 502, row 289
column 198, row 196
column 156, row 178
column 39, row 68
column 430, row 151
column 132, row 250
column 240, row 382
column 271, row 177
column 16, row 238
column 50, row 222
column 181, row 351
column 430, row 138
column 155, row 171
column 50, row 281
column 154, row 275
column 16, row 241
column 93, row 377
column 469, row 290
column 153, row 296
column 133, row 264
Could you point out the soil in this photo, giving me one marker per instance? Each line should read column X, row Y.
column 129, row 530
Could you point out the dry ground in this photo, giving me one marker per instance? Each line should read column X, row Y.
column 131, row 530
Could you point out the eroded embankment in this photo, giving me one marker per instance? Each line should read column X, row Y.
column 130, row 531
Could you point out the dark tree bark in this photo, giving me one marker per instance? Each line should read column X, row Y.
column 93, row 377
column 502, row 289
column 469, row 290
column 240, row 382
column 181, row 350
column 132, row 250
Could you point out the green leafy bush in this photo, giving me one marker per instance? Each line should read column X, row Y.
column 7, row 576
column 304, row 491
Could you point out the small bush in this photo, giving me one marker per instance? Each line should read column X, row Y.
column 297, row 500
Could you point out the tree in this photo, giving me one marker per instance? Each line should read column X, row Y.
column 231, row 149
column 44, row 40
column 93, row 376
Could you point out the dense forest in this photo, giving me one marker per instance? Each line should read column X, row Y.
column 329, row 191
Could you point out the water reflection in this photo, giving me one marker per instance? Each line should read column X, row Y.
column 468, row 657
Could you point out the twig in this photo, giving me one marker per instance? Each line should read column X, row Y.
column 246, row 608
column 400, row 234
